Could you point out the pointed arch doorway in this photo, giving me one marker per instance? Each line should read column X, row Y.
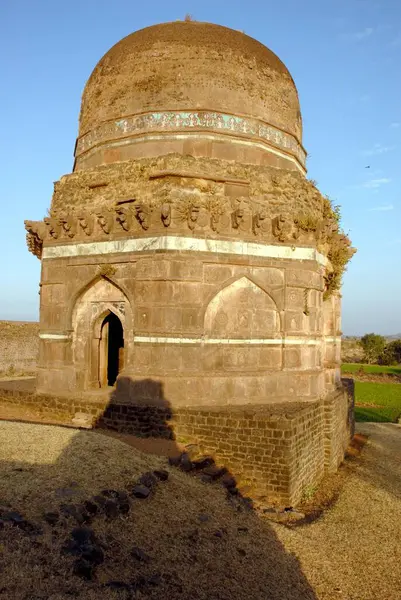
column 111, row 350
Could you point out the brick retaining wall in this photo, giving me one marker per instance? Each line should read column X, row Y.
column 279, row 450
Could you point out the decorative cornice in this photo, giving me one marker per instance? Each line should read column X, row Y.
column 200, row 121
column 236, row 221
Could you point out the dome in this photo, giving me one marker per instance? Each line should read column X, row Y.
column 189, row 87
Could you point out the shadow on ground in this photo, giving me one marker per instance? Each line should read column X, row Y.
column 155, row 531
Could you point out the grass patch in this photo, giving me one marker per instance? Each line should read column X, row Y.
column 354, row 367
column 377, row 402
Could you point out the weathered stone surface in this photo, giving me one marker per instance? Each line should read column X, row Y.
column 111, row 509
column 161, row 474
column 149, row 480
column 141, row 491
column 197, row 276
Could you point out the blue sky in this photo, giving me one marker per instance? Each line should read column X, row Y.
column 344, row 56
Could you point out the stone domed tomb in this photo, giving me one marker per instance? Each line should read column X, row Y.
column 188, row 261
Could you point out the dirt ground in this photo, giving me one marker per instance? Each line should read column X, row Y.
column 198, row 545
column 354, row 552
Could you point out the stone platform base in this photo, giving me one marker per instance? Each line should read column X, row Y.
column 279, row 450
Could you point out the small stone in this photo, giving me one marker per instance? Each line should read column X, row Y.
column 91, row 507
column 99, row 500
column 241, row 551
column 82, row 568
column 13, row 517
column 242, row 529
column 148, row 479
column 93, row 554
column 270, row 510
column 161, row 474
column 109, row 493
column 186, row 463
column 29, row 527
column 124, row 507
column 295, row 515
column 83, row 535
column 111, row 509
column 70, row 510
column 71, row 547
column 52, row 518
column 228, row 481
column 203, row 518
column 218, row 534
column 174, row 461
column 192, row 450
column 122, row 497
column 82, row 514
column 203, row 462
column 215, row 472
column 139, row 554
column 140, row 491
column 247, row 503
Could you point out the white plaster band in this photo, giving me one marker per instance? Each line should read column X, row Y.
column 299, row 341
column 190, row 244
column 54, row 336
column 287, row 341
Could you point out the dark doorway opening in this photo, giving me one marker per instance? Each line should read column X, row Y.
column 111, row 349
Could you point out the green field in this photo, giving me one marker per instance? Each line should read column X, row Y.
column 384, row 400
column 353, row 367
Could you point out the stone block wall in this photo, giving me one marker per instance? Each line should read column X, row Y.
column 211, row 326
column 19, row 347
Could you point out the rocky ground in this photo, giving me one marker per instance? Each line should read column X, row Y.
column 85, row 515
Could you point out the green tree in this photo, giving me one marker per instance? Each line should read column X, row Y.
column 373, row 346
column 391, row 354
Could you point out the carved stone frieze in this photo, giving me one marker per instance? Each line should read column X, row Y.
column 53, row 227
column 241, row 218
column 143, row 215
column 123, row 217
column 86, row 222
column 166, row 214
column 182, row 213
column 261, row 224
column 105, row 220
column 285, row 229
column 218, row 215
column 36, row 232
column 68, row 223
